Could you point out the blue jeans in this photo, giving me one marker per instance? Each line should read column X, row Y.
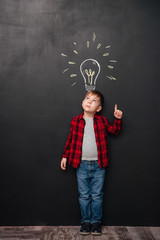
column 90, row 179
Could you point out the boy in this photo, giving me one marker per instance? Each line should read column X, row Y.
column 87, row 150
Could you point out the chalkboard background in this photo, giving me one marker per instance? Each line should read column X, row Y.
column 38, row 101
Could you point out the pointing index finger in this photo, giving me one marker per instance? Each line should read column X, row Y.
column 115, row 107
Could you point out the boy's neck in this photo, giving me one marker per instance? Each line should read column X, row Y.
column 88, row 115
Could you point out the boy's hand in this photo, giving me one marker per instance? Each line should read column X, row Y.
column 117, row 113
column 63, row 163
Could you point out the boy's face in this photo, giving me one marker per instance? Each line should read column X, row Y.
column 91, row 104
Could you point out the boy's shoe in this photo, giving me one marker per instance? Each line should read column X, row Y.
column 96, row 229
column 85, row 228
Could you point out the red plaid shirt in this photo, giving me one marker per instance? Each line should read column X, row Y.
column 73, row 147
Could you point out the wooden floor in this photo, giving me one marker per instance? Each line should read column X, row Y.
column 72, row 233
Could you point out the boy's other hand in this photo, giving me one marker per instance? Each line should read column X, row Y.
column 117, row 113
column 63, row 163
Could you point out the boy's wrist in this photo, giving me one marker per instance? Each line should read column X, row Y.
column 120, row 119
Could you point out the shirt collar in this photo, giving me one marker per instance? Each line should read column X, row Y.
column 95, row 116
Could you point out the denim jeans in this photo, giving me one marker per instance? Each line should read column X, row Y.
column 90, row 179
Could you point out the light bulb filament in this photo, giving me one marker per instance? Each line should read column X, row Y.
column 90, row 75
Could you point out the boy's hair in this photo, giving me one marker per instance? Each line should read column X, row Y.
column 98, row 94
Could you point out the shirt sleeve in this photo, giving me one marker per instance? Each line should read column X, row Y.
column 115, row 128
column 68, row 144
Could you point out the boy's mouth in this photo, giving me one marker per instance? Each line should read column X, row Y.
column 88, row 106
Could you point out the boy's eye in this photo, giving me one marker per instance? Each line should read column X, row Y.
column 94, row 100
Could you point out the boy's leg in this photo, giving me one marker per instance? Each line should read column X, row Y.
column 97, row 182
column 84, row 185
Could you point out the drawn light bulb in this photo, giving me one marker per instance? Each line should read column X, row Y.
column 90, row 70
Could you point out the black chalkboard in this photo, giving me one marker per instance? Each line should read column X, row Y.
column 39, row 97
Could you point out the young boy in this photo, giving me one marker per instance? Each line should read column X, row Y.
column 87, row 150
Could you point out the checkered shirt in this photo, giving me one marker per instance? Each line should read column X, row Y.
column 73, row 147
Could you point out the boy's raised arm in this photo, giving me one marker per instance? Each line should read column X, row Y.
column 115, row 128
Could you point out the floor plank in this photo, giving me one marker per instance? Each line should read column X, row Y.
column 140, row 233
column 155, row 231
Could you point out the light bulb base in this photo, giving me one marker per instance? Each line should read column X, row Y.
column 89, row 88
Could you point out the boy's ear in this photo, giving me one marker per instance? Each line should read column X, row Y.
column 99, row 108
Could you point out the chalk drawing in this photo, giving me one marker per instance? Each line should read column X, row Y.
column 65, row 70
column 75, row 51
column 111, row 67
column 99, row 45
column 94, row 37
column 90, row 68
column 111, row 77
column 105, row 54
